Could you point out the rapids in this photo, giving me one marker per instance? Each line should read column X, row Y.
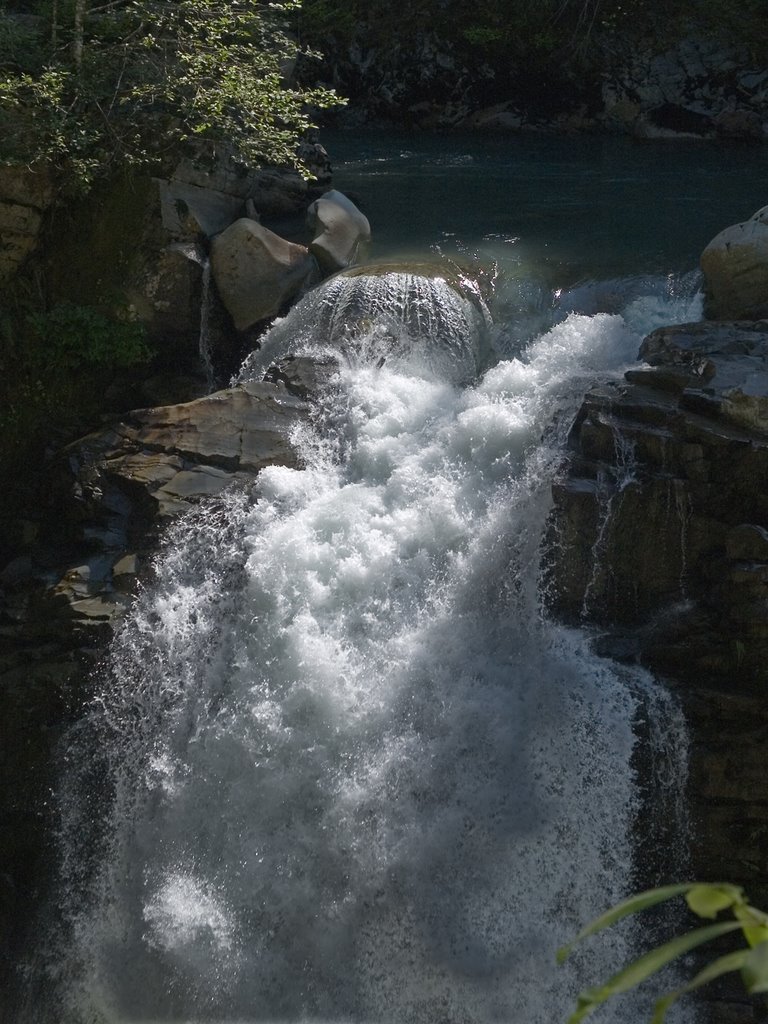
column 341, row 766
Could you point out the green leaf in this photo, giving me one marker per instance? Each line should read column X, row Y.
column 754, row 924
column 709, row 899
column 723, row 965
column 646, row 966
column 641, row 901
column 754, row 972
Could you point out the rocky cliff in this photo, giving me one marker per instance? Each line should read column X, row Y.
column 695, row 85
column 660, row 545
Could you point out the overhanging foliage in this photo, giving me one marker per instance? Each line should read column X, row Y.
column 90, row 84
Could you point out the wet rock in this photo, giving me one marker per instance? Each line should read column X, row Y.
column 257, row 271
column 303, row 376
column 735, row 268
column 740, row 124
column 177, row 454
column 664, row 503
column 340, row 231
column 111, row 492
column 499, row 117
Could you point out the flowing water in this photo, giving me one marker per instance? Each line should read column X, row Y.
column 341, row 766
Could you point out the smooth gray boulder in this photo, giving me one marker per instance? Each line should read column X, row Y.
column 735, row 268
column 256, row 271
column 339, row 229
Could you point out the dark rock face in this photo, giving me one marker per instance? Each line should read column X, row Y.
column 666, row 492
column 701, row 86
column 697, row 86
column 25, row 195
column 660, row 539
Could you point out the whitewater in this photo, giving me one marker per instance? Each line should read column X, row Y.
column 341, row 765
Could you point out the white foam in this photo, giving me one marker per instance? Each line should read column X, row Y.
column 360, row 776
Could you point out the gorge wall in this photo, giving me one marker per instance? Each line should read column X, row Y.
column 685, row 70
column 659, row 540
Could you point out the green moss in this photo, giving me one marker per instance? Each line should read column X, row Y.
column 95, row 245
column 58, row 372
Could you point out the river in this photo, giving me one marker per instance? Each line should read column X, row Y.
column 340, row 764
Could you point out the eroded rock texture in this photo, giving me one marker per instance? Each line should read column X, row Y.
column 660, row 539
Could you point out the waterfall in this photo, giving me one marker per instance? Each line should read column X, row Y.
column 204, row 343
column 341, row 766
column 441, row 327
column 194, row 252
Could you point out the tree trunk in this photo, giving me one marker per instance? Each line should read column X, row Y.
column 78, row 32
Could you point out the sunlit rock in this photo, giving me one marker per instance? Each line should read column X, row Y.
column 340, row 230
column 735, row 267
column 256, row 271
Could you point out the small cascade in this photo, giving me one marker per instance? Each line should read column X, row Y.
column 385, row 316
column 204, row 343
column 196, row 254
column 682, row 502
column 611, row 485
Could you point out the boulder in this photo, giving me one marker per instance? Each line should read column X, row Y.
column 256, row 271
column 735, row 268
column 181, row 453
column 340, row 229
column 740, row 124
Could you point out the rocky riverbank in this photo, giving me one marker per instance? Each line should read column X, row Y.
column 697, row 87
column 658, row 539
column 660, row 543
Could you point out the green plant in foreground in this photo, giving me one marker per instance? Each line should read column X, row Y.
column 706, row 900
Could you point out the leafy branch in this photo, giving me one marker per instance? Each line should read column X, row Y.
column 707, row 901
column 85, row 84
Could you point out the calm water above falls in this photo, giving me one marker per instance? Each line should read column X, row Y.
column 341, row 766
column 568, row 209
